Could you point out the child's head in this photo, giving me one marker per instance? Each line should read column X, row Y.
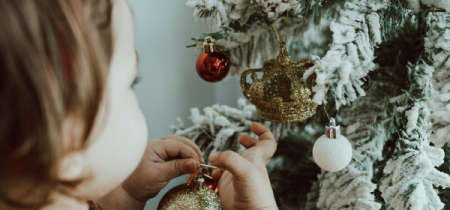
column 70, row 123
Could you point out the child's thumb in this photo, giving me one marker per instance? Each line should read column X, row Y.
column 232, row 162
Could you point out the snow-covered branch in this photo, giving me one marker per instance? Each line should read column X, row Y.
column 352, row 188
column 221, row 126
column 226, row 11
column 351, row 55
column 437, row 45
column 410, row 175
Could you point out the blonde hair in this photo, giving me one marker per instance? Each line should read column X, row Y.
column 52, row 65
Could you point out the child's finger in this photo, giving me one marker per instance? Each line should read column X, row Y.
column 232, row 162
column 216, row 174
column 169, row 149
column 189, row 143
column 247, row 141
column 175, row 168
column 261, row 131
column 266, row 143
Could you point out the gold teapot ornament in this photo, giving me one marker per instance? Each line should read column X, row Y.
column 281, row 95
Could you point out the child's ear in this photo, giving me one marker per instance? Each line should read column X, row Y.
column 72, row 167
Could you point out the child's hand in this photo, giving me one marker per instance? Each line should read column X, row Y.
column 164, row 159
column 245, row 183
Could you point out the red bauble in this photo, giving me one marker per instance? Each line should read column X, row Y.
column 213, row 67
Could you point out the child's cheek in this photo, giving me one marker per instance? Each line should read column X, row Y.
column 118, row 151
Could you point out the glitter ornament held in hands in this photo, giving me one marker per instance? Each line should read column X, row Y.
column 332, row 152
column 210, row 183
column 212, row 65
column 192, row 196
column 281, row 95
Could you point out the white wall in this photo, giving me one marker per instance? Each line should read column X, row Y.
column 170, row 86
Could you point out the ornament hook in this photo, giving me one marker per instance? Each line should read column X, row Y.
column 204, row 165
column 198, row 181
column 332, row 122
column 206, row 175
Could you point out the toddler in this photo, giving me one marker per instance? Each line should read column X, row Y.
column 72, row 135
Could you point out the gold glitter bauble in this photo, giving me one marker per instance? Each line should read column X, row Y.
column 281, row 95
column 191, row 196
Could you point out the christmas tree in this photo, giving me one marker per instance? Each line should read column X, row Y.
column 383, row 65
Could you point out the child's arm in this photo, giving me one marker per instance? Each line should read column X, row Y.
column 245, row 183
column 164, row 160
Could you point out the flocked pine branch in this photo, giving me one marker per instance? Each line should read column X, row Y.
column 437, row 45
column 258, row 43
column 252, row 41
column 444, row 194
column 410, row 175
column 226, row 12
column 220, row 127
column 438, row 4
column 292, row 169
column 314, row 194
column 351, row 55
column 411, row 172
column 352, row 187
column 420, row 5
column 369, row 124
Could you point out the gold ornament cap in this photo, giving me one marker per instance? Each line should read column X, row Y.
column 209, row 45
column 198, row 182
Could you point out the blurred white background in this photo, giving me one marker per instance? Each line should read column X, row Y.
column 169, row 84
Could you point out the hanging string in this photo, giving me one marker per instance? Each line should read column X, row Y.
column 337, row 113
column 209, row 31
column 276, row 30
column 206, row 25
column 287, row 23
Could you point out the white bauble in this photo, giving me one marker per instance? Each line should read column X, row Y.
column 332, row 154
